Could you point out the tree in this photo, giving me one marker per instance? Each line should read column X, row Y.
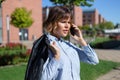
column 106, row 25
column 89, row 31
column 73, row 2
column 21, row 18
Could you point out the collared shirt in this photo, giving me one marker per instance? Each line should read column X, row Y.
column 68, row 66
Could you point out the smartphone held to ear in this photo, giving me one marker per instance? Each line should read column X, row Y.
column 72, row 30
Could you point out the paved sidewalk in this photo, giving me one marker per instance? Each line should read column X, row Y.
column 112, row 75
column 110, row 55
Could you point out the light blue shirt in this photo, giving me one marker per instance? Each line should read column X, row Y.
column 68, row 66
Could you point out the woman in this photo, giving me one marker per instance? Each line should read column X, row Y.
column 64, row 59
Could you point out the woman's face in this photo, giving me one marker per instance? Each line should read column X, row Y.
column 62, row 28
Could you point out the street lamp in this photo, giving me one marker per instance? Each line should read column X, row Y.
column 47, row 12
column 8, row 28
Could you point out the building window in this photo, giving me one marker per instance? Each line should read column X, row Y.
column 23, row 34
column 84, row 20
column 89, row 21
column 89, row 16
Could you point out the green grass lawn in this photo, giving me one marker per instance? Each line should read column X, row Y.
column 88, row 72
column 12, row 72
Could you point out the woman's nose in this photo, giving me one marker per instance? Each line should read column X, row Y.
column 67, row 25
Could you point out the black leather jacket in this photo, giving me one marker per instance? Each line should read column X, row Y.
column 38, row 56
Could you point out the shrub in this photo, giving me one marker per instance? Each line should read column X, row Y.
column 98, row 41
column 13, row 53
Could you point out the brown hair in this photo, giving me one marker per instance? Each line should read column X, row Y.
column 56, row 14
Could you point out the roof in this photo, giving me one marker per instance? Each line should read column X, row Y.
column 89, row 10
column 117, row 30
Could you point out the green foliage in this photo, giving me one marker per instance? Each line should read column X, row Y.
column 85, row 27
column 73, row 2
column 106, row 25
column 99, row 40
column 12, row 48
column 21, row 18
column 13, row 53
column 89, row 31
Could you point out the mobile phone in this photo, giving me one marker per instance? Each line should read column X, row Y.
column 72, row 30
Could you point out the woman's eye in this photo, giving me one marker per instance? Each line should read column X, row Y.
column 63, row 21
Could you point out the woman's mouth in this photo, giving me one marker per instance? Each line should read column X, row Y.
column 65, row 31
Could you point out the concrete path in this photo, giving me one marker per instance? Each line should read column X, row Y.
column 110, row 55
column 112, row 75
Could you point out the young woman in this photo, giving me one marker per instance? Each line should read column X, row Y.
column 64, row 59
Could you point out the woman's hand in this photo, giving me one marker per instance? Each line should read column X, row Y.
column 55, row 50
column 78, row 36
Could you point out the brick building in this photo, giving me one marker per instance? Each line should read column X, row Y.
column 13, row 34
column 101, row 19
column 92, row 17
column 78, row 16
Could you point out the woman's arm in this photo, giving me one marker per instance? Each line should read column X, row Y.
column 87, row 54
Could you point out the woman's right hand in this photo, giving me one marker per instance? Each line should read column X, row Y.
column 55, row 50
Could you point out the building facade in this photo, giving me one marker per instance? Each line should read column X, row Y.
column 12, row 34
column 92, row 17
column 78, row 16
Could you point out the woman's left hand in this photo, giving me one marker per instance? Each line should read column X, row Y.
column 56, row 50
column 78, row 36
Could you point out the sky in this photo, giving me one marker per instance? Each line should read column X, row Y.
column 109, row 9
